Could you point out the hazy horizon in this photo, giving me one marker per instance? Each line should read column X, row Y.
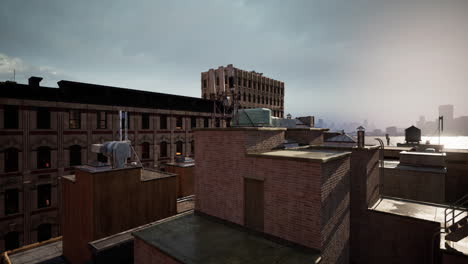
column 385, row 61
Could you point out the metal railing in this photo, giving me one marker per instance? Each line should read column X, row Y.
column 451, row 214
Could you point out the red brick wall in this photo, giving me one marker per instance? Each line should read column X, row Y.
column 335, row 211
column 292, row 188
column 146, row 254
column 305, row 136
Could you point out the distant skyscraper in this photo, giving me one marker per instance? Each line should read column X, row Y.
column 421, row 122
column 446, row 111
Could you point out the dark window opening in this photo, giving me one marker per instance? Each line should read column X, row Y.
column 102, row 120
column 10, row 117
column 192, row 148
column 231, row 82
column 43, row 118
column 245, row 82
column 145, row 121
column 11, row 241
column 11, row 201
column 11, row 160
column 179, row 148
column 206, row 122
column 193, row 122
column 43, row 158
column 44, row 195
column 217, row 80
column 75, row 155
column 239, row 81
column 225, row 79
column 228, row 122
column 75, row 119
column 217, row 122
column 44, row 232
column 204, row 83
column 163, row 122
column 163, row 150
column 249, row 98
column 250, row 84
column 179, row 123
column 145, row 150
column 101, row 158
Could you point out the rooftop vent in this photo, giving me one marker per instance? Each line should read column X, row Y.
column 34, row 81
column 256, row 117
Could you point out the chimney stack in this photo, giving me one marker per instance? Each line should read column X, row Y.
column 34, row 81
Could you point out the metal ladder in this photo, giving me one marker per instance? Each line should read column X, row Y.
column 456, row 220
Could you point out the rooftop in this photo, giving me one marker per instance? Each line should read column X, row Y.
column 394, row 164
column 216, row 242
column 425, row 211
column 314, row 155
column 88, row 93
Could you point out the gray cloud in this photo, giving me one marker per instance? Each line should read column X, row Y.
column 339, row 59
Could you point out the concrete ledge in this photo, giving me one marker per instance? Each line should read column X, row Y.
column 240, row 129
column 304, row 155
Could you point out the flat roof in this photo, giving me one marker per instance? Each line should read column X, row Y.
column 192, row 238
column 49, row 253
column 420, row 210
column 420, row 153
column 314, row 155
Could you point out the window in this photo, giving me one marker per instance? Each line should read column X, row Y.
column 163, row 122
column 11, row 160
column 225, row 79
column 179, row 147
column 250, row 84
column 217, row 122
column 217, row 80
column 244, row 97
column 43, row 195
column 179, row 122
column 44, row 232
column 75, row 119
column 249, row 98
column 145, row 150
column 206, row 122
column 193, row 122
column 101, row 158
column 101, row 119
column 145, row 121
column 10, row 117
column 228, row 122
column 245, row 82
column 11, row 201
column 163, row 150
column 43, row 157
column 239, row 81
column 204, row 83
column 192, row 148
column 43, row 118
column 75, row 155
column 11, row 240
column 231, row 82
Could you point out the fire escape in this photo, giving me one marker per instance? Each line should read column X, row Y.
column 456, row 220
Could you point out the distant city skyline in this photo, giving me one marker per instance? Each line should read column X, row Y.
column 346, row 61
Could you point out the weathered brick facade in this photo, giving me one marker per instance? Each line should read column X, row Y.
column 305, row 201
column 27, row 138
column 306, row 136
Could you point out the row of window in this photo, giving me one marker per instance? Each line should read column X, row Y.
column 44, row 196
column 11, row 155
column 11, row 117
column 249, row 84
column 262, row 100
column 12, row 241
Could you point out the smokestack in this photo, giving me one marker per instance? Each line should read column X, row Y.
column 34, row 81
column 361, row 136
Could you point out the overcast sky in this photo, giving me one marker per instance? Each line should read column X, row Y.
column 386, row 61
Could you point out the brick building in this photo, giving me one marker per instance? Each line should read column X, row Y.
column 251, row 88
column 44, row 132
column 295, row 197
